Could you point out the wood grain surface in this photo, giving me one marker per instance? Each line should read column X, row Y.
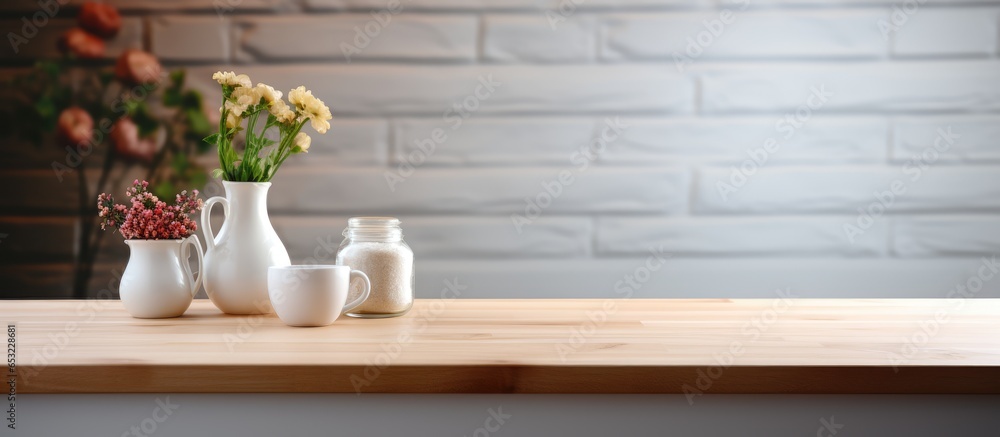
column 521, row 346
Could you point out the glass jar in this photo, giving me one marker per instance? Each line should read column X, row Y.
column 375, row 246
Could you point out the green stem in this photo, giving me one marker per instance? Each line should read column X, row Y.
column 285, row 148
column 220, row 142
column 251, row 152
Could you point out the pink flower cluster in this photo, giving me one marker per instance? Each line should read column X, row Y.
column 149, row 218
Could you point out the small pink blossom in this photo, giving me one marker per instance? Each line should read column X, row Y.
column 149, row 218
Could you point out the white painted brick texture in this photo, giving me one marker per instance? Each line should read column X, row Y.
column 861, row 87
column 398, row 89
column 753, row 236
column 520, row 91
column 448, row 236
column 824, row 140
column 946, row 235
column 732, row 33
column 497, row 191
column 978, row 138
column 957, row 32
column 354, row 37
column 845, row 189
column 187, row 38
column 536, row 38
column 497, row 141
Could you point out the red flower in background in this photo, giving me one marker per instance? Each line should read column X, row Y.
column 137, row 67
column 128, row 145
column 75, row 126
column 100, row 19
column 78, row 42
column 77, row 101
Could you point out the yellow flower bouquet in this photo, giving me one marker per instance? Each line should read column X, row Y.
column 261, row 156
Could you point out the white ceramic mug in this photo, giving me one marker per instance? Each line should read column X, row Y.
column 313, row 295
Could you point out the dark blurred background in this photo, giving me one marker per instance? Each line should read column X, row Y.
column 826, row 148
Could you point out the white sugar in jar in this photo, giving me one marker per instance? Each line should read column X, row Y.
column 375, row 246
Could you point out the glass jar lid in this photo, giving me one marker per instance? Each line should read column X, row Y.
column 379, row 222
column 385, row 229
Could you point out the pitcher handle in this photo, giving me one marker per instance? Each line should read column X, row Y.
column 206, row 219
column 185, row 254
column 364, row 295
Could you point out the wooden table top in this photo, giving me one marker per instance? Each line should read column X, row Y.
column 696, row 347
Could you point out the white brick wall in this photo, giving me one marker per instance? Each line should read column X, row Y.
column 836, row 189
column 725, row 140
column 530, row 38
column 751, row 35
column 912, row 135
column 499, row 191
column 960, row 32
column 698, row 101
column 406, row 37
column 190, row 38
column 394, row 89
column 904, row 86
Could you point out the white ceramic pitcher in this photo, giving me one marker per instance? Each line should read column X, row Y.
column 237, row 260
column 158, row 281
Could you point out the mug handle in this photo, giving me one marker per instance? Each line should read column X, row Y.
column 206, row 219
column 364, row 295
column 196, row 281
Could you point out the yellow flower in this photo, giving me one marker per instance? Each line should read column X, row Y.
column 232, row 79
column 281, row 111
column 310, row 107
column 302, row 142
column 277, row 107
column 297, row 96
column 269, row 94
column 241, row 99
column 232, row 120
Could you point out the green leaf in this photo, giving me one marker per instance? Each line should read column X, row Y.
column 180, row 163
column 164, row 190
column 257, row 143
column 177, row 78
column 212, row 139
column 192, row 100
column 131, row 106
column 199, row 179
column 202, row 146
column 198, row 122
column 144, row 120
column 49, row 68
column 217, row 173
column 105, row 77
column 171, row 97
column 45, row 106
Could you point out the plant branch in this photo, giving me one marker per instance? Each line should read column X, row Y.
column 84, row 264
column 168, row 145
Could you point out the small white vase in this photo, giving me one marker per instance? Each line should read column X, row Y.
column 237, row 260
column 158, row 282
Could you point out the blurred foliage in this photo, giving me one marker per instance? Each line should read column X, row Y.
column 35, row 99
column 165, row 113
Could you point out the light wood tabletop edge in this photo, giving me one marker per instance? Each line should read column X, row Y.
column 513, row 377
